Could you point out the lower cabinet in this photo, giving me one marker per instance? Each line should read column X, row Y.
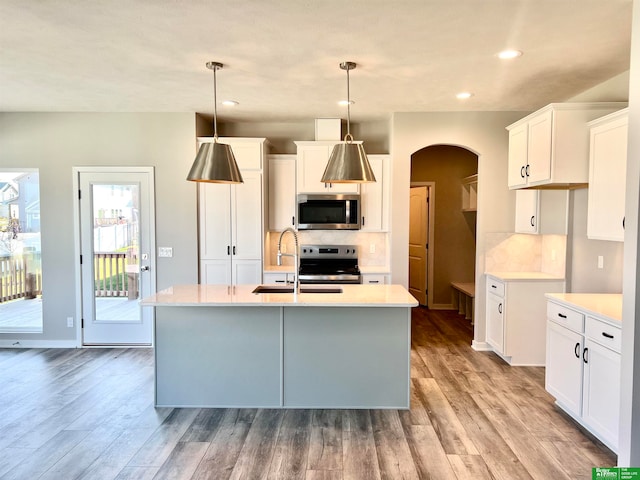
column 583, row 369
column 516, row 320
column 374, row 279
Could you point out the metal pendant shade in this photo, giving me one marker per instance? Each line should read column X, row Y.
column 348, row 162
column 215, row 162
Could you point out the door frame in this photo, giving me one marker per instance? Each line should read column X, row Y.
column 431, row 193
column 76, row 171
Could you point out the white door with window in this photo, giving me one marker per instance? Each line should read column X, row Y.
column 117, row 244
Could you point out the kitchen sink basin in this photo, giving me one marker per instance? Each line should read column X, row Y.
column 279, row 289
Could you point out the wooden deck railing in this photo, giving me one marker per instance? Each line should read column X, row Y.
column 19, row 278
column 115, row 276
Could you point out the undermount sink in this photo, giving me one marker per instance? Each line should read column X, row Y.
column 279, row 289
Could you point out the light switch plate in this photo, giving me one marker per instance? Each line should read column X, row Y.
column 165, row 252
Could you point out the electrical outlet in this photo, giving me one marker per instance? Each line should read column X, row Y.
column 165, row 252
column 372, row 248
column 600, row 261
column 70, row 322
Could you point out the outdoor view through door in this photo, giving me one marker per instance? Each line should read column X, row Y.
column 20, row 260
column 116, row 257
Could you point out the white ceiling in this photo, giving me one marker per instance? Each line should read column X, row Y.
column 281, row 56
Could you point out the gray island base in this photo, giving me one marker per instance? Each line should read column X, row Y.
column 219, row 347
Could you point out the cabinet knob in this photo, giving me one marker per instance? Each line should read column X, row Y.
column 228, row 250
column 533, row 223
column 526, row 170
column 522, row 171
column 363, row 221
column 234, row 249
column 623, row 219
column 500, row 308
column 293, row 221
column 576, row 350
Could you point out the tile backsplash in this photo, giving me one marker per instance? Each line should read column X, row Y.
column 366, row 241
column 516, row 252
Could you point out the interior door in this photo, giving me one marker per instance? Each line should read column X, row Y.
column 117, row 253
column 418, row 228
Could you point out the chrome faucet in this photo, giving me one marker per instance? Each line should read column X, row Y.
column 296, row 257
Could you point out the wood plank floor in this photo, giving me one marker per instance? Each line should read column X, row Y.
column 67, row 414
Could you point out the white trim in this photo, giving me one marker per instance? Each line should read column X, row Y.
column 22, row 343
column 441, row 306
column 481, row 346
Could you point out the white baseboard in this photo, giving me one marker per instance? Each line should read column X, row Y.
column 22, row 343
column 481, row 346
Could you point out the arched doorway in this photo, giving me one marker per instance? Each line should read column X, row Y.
column 450, row 242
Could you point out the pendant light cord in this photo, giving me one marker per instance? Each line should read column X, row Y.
column 215, row 105
column 348, row 109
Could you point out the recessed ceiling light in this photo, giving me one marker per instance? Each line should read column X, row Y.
column 344, row 103
column 464, row 95
column 507, row 54
column 230, row 103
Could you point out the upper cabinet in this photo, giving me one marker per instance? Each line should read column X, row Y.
column 607, row 176
column 375, row 196
column 312, row 158
column 550, row 147
column 541, row 211
column 282, row 192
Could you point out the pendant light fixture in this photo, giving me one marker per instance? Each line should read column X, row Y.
column 215, row 162
column 348, row 162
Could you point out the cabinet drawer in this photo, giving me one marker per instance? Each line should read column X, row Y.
column 495, row 286
column 373, row 279
column 603, row 333
column 565, row 316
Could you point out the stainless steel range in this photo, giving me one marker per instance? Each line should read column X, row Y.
column 329, row 264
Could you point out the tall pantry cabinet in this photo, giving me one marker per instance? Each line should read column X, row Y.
column 231, row 220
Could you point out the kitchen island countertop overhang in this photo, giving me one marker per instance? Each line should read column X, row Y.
column 214, row 348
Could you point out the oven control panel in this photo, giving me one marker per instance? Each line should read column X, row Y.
column 329, row 251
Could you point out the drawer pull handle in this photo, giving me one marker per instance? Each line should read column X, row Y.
column 378, row 281
column 280, row 281
column 607, row 335
column 562, row 315
column 585, row 355
column 500, row 308
column 577, row 350
column 494, row 286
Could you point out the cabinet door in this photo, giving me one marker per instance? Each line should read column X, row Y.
column 312, row 162
column 518, row 156
column 495, row 322
column 539, row 148
column 215, row 221
column 215, row 272
column 527, row 211
column 601, row 397
column 372, row 198
column 607, row 177
column 282, row 192
column 563, row 374
column 248, row 152
column 247, row 217
column 246, row 272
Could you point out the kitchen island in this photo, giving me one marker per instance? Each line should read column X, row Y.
column 220, row 346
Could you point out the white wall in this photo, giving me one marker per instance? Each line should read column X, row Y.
column 56, row 142
column 481, row 132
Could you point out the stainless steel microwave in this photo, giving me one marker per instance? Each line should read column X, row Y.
column 328, row 212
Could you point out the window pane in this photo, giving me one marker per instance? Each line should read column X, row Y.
column 20, row 260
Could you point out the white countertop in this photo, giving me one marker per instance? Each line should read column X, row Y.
column 607, row 305
column 222, row 295
column 515, row 276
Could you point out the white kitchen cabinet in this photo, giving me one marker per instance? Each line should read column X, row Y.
column 516, row 319
column 277, row 278
column 312, row 158
column 541, row 211
column 231, row 221
column 583, row 369
column 282, row 192
column 374, row 196
column 607, row 176
column 550, row 147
